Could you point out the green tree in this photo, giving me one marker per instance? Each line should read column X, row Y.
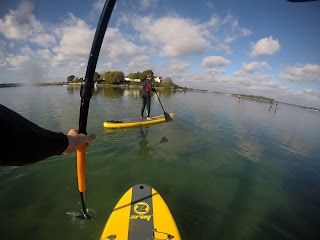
column 115, row 77
column 167, row 80
column 96, row 76
column 143, row 75
column 134, row 75
column 70, row 78
column 140, row 75
column 168, row 83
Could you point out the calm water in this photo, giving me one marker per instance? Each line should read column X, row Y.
column 227, row 169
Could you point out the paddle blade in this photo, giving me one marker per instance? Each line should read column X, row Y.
column 167, row 116
column 163, row 140
column 85, row 217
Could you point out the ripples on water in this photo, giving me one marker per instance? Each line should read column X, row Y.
column 227, row 169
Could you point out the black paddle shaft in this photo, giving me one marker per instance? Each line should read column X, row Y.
column 166, row 115
column 159, row 101
column 87, row 87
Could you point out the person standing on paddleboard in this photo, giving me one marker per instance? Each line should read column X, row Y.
column 147, row 87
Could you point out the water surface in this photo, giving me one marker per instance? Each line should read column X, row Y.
column 227, row 169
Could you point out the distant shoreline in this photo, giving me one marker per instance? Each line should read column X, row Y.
column 258, row 98
column 5, row 85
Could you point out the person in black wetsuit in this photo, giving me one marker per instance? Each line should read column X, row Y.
column 24, row 142
column 147, row 87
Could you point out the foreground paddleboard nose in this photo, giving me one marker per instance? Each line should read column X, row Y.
column 141, row 213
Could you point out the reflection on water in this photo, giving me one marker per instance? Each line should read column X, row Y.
column 132, row 135
column 227, row 169
column 249, row 150
column 274, row 109
column 109, row 92
column 145, row 147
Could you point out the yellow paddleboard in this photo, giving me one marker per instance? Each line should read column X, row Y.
column 140, row 214
column 135, row 122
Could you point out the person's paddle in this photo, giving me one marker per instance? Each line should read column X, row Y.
column 86, row 92
column 166, row 115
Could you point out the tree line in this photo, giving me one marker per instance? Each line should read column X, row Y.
column 118, row 78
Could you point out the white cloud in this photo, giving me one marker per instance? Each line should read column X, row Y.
column 308, row 72
column 43, row 40
column 223, row 31
column 3, row 62
column 136, row 66
column 20, row 24
column 26, row 51
column 145, row 4
column 309, row 90
column 178, row 66
column 76, row 39
column 118, row 47
column 3, row 47
column 177, row 37
column 98, row 6
column 214, row 61
column 17, row 61
column 44, row 54
column 312, row 96
column 265, row 47
column 252, row 67
column 209, row 4
column 255, row 66
column 214, row 23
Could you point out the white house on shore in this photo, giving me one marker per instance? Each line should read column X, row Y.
column 132, row 80
column 156, row 79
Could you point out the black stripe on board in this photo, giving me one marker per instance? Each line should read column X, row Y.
column 141, row 213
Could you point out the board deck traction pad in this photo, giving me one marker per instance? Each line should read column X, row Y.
column 141, row 196
column 142, row 206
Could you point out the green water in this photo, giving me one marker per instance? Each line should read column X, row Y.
column 227, row 169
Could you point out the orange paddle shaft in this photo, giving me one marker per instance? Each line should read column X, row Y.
column 81, row 173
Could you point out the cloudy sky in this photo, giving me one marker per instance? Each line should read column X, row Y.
column 266, row 47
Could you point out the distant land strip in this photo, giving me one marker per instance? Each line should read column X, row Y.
column 258, row 98
column 4, row 85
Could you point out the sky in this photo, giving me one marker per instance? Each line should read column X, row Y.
column 266, row 48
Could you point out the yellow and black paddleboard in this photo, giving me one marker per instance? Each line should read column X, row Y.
column 135, row 122
column 141, row 214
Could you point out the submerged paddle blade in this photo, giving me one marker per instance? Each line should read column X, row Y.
column 85, row 217
column 163, row 140
column 167, row 116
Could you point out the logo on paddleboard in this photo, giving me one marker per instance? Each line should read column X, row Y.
column 141, row 208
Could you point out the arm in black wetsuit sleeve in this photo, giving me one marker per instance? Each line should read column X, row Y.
column 24, row 142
